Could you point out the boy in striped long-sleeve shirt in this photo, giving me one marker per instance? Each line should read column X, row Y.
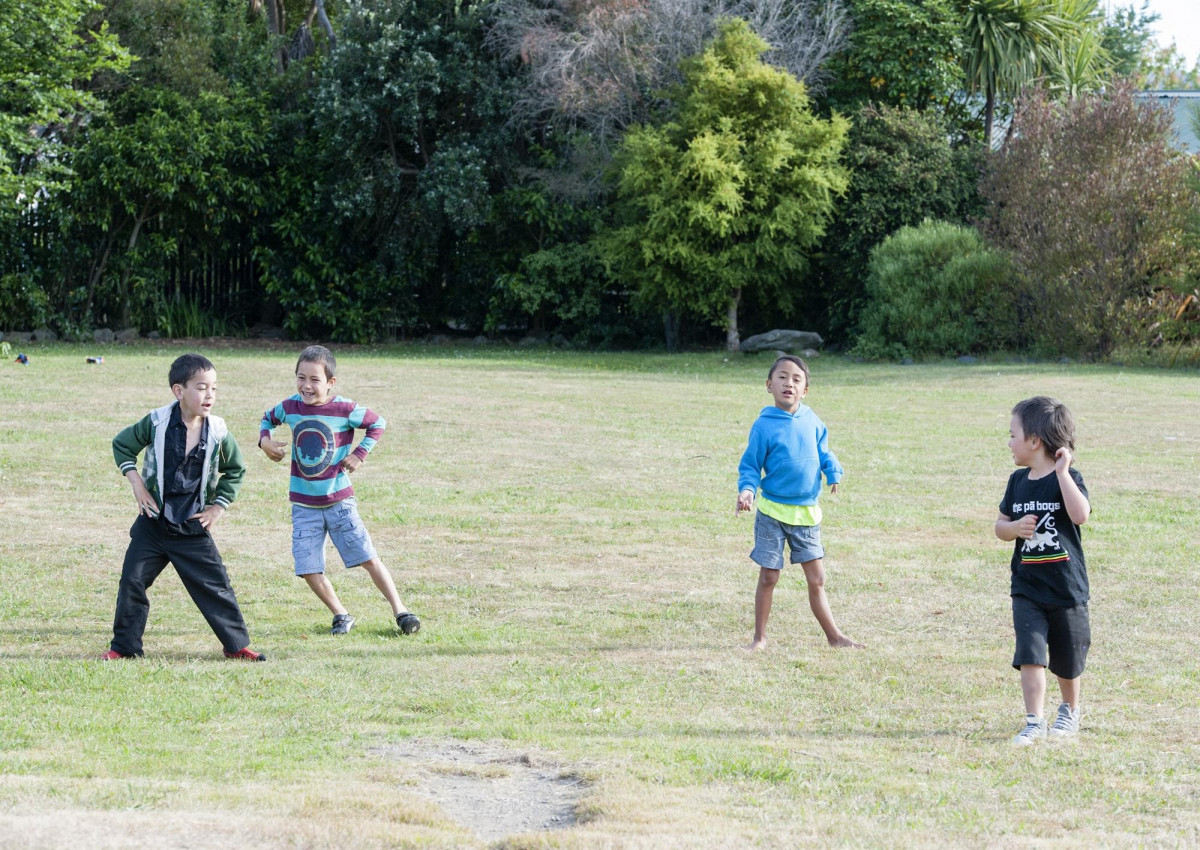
column 323, row 456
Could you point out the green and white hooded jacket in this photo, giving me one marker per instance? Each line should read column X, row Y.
column 223, row 466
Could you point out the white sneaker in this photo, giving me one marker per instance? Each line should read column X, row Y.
column 1066, row 724
column 1035, row 728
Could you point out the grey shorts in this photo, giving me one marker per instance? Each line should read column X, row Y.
column 341, row 522
column 1050, row 636
column 770, row 534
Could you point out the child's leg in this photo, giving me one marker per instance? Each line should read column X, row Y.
column 324, row 590
column 144, row 560
column 308, row 551
column 383, row 580
column 764, row 595
column 1070, row 691
column 1033, row 688
column 814, row 574
column 203, row 574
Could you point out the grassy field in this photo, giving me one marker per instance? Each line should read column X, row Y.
column 563, row 523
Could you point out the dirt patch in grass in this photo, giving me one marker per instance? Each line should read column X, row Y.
column 486, row 788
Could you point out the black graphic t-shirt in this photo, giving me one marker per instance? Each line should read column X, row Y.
column 1049, row 567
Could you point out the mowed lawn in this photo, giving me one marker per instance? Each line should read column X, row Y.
column 563, row 524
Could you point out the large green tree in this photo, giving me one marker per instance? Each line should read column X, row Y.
column 47, row 58
column 379, row 208
column 732, row 192
column 900, row 53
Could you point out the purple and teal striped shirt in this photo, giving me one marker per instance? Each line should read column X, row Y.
column 322, row 436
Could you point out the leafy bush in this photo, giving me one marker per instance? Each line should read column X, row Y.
column 1092, row 198
column 935, row 290
column 23, row 305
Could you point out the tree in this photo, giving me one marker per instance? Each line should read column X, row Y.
column 603, row 65
column 1009, row 43
column 47, row 58
column 1128, row 36
column 900, row 53
column 904, row 168
column 191, row 163
column 731, row 193
column 379, row 207
column 1091, row 197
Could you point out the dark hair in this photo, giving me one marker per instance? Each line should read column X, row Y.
column 1049, row 420
column 186, row 366
column 318, row 354
column 790, row 358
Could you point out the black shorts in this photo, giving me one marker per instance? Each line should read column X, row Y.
column 1050, row 636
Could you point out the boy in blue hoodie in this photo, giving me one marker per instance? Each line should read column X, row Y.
column 787, row 454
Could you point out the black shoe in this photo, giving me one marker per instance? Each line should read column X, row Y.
column 408, row 623
column 342, row 624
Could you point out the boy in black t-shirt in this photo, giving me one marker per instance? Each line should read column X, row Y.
column 1044, row 505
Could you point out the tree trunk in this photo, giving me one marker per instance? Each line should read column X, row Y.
column 989, row 118
column 126, row 307
column 732, row 341
column 671, row 329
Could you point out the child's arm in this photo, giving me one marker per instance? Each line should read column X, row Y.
column 1077, row 505
column 750, row 471
column 374, row 424
column 271, row 447
column 830, row 466
column 126, row 446
column 1009, row 529
column 231, row 470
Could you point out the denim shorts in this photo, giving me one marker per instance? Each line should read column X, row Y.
column 1050, row 636
column 341, row 522
column 769, row 535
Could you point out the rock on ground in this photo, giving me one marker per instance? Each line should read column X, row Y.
column 781, row 340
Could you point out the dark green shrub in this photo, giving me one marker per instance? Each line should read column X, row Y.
column 23, row 305
column 936, row 290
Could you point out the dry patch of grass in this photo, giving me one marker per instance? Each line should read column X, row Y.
column 563, row 523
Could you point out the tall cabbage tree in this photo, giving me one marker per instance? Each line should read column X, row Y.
column 1009, row 43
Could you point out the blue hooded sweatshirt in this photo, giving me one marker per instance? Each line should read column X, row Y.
column 786, row 456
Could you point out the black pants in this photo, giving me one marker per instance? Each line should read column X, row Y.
column 202, row 572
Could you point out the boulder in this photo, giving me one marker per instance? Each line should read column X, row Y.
column 127, row 335
column 18, row 336
column 44, row 335
column 103, row 335
column 781, row 340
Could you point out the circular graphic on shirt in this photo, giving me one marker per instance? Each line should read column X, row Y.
column 314, row 447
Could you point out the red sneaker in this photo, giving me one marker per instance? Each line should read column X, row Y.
column 113, row 655
column 246, row 654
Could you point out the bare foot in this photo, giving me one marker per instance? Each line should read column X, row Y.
column 757, row 644
column 843, row 642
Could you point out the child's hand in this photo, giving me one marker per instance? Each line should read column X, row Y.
column 833, row 489
column 351, row 462
column 145, row 502
column 209, row 516
column 1062, row 460
column 272, row 448
column 745, row 501
column 1024, row 527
